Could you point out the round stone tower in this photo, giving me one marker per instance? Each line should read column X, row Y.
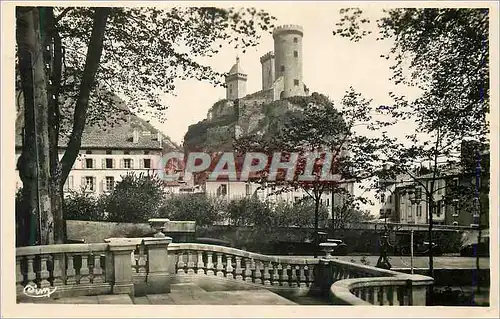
column 288, row 59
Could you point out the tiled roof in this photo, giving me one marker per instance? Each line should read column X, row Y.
column 119, row 136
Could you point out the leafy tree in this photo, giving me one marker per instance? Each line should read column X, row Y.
column 313, row 129
column 136, row 198
column 203, row 210
column 348, row 213
column 95, row 53
column 445, row 53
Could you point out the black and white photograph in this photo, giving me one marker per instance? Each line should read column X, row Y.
column 323, row 157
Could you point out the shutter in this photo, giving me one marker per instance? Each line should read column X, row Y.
column 141, row 163
column 70, row 182
column 83, row 183
column 103, row 163
column 131, row 163
column 101, row 186
column 94, row 183
column 114, row 163
column 83, row 161
column 121, row 163
column 94, row 163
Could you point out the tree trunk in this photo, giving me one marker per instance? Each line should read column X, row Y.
column 316, row 226
column 33, row 165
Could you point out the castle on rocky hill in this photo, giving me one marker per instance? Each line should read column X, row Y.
column 281, row 79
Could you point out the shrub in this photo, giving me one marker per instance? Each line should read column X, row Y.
column 195, row 207
column 136, row 198
column 83, row 206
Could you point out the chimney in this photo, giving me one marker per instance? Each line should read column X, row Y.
column 159, row 137
column 135, row 139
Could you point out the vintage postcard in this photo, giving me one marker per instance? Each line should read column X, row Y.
column 250, row 159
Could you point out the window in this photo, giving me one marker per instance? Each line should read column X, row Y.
column 110, row 183
column 419, row 211
column 147, row 163
column 109, row 163
column 230, row 91
column 68, row 185
column 321, row 201
column 328, row 202
column 88, row 152
column 454, row 211
column 410, row 209
column 455, row 181
column 282, row 68
column 388, row 212
column 89, row 183
column 295, row 40
column 455, row 223
column 296, row 82
column 127, row 163
column 222, row 190
column 126, row 152
column 382, row 213
column 296, row 199
column 418, row 193
column 382, row 198
column 247, row 189
column 146, row 152
column 295, row 54
column 109, row 152
column 390, row 199
column 439, row 187
column 89, row 163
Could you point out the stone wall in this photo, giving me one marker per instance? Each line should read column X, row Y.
column 96, row 232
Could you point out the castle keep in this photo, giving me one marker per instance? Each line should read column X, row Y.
column 281, row 69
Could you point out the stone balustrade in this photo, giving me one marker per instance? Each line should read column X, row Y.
column 69, row 268
column 274, row 273
column 139, row 266
column 354, row 284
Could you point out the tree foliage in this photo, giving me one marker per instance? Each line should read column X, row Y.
column 136, row 198
column 203, row 210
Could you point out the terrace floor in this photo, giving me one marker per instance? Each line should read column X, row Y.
column 183, row 294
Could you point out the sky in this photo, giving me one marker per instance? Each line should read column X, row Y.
column 331, row 65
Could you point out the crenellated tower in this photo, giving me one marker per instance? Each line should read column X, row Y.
column 236, row 82
column 288, row 59
column 267, row 62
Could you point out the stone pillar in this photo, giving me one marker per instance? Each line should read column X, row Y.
column 121, row 251
column 158, row 279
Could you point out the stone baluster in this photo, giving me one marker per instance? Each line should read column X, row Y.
column 57, row 271
column 84, row 270
column 392, row 296
column 220, row 266
column 284, row 276
column 238, row 271
column 293, row 276
column 364, row 293
column 19, row 275
column 70, row 272
column 44, row 272
column 378, row 295
column 31, row 275
column 190, row 263
column 310, row 274
column 97, row 276
column 275, row 276
column 200, row 265
column 229, row 267
column 356, row 292
column 210, row 264
column 258, row 273
column 302, row 275
column 141, row 260
column 181, row 264
column 267, row 276
column 248, row 270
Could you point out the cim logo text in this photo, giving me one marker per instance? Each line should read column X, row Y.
column 35, row 292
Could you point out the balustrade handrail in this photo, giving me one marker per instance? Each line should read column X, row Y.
column 343, row 289
column 242, row 253
column 60, row 248
column 364, row 268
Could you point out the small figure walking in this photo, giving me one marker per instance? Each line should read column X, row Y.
column 383, row 261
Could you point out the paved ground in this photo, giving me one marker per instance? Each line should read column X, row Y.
column 418, row 262
column 184, row 294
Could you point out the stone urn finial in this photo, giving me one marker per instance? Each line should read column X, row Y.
column 158, row 224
